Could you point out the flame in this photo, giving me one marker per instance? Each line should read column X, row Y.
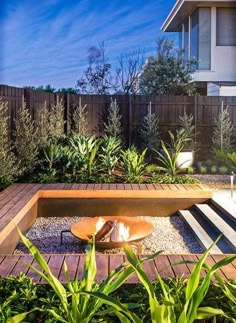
column 120, row 232
column 99, row 224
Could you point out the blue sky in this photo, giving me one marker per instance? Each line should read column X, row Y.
column 46, row 42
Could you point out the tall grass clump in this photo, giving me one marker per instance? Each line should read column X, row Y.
column 8, row 168
column 26, row 141
column 80, row 119
column 113, row 126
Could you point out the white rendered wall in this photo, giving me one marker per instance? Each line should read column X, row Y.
column 228, row 91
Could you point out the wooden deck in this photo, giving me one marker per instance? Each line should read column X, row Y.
column 14, row 264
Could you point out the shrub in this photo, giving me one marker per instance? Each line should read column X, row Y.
column 223, row 170
column 43, row 124
column 213, row 169
column 113, row 126
column 149, row 132
column 223, row 132
column 203, row 170
column 191, row 170
column 80, row 119
column 186, row 124
column 133, row 165
column 26, row 141
column 168, row 179
column 56, row 121
column 109, row 153
column 152, row 169
column 8, row 168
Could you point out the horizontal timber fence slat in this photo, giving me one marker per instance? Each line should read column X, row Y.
column 168, row 109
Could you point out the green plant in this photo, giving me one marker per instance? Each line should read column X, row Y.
column 223, row 131
column 213, row 169
column 152, row 169
column 82, row 154
column 186, row 124
column 168, row 157
column 113, row 126
column 149, row 132
column 84, row 298
column 56, row 121
column 80, row 119
column 52, row 153
column 133, row 165
column 168, row 179
column 203, row 170
column 43, row 125
column 47, row 176
column 191, row 170
column 223, row 170
column 110, row 148
column 26, row 141
column 8, row 166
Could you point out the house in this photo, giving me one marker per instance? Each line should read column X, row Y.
column 207, row 33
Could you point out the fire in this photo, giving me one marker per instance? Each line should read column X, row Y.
column 117, row 231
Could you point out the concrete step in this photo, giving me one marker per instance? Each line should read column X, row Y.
column 225, row 209
column 200, row 233
column 219, row 224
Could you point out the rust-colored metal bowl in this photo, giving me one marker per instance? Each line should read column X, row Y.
column 138, row 230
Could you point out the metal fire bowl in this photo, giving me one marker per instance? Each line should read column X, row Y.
column 138, row 230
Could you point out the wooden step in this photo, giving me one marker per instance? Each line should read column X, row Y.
column 214, row 219
column 201, row 235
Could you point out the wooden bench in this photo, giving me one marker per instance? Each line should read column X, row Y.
column 19, row 203
column 14, row 264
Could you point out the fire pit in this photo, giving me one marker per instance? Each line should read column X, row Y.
column 112, row 231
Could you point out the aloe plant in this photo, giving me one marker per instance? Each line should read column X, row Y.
column 133, row 164
column 52, row 153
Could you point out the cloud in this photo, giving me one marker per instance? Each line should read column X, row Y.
column 47, row 41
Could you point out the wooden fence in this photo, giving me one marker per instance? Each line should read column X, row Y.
column 168, row 109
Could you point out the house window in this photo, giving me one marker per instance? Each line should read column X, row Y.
column 226, row 27
column 200, row 38
column 186, row 41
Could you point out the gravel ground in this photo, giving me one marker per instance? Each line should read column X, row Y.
column 214, row 181
column 170, row 235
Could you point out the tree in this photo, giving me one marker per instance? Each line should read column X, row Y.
column 97, row 78
column 47, row 88
column 69, row 90
column 167, row 73
column 128, row 72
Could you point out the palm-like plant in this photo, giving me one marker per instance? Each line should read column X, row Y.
column 110, row 147
column 133, row 164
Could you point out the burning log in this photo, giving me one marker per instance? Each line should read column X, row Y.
column 105, row 230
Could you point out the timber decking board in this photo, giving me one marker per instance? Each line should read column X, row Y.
column 13, row 264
